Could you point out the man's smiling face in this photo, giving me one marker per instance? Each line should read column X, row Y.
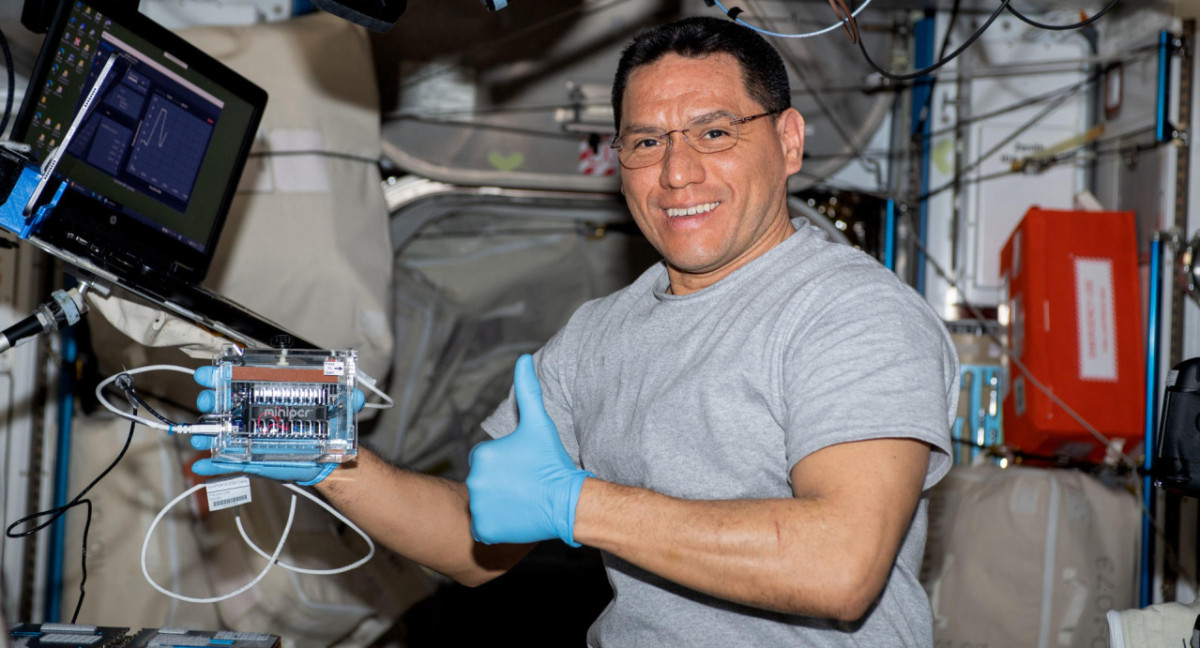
column 708, row 214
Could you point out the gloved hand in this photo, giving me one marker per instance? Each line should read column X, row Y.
column 304, row 473
column 524, row 487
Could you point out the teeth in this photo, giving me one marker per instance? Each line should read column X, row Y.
column 692, row 211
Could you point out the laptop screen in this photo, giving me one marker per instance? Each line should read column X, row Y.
column 152, row 168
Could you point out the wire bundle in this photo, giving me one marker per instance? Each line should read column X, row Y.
column 848, row 20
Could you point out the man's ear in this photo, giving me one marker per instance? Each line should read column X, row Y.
column 791, row 138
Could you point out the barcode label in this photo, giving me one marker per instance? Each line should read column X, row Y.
column 224, row 493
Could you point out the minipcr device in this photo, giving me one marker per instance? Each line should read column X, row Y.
column 285, row 405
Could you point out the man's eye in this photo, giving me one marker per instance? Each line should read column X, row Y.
column 715, row 132
column 645, row 142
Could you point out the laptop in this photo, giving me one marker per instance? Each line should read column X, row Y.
column 150, row 169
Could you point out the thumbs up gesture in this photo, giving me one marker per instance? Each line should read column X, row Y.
column 524, row 487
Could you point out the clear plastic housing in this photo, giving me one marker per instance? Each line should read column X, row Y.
column 285, row 405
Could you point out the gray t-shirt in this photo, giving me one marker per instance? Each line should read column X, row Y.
column 717, row 394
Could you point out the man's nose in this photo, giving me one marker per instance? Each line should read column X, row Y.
column 681, row 163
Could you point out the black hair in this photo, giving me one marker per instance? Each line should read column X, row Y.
column 763, row 72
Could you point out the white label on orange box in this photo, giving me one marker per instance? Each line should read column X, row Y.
column 1096, row 315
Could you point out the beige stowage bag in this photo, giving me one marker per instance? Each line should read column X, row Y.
column 1028, row 558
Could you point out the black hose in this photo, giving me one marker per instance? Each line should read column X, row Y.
column 25, row 328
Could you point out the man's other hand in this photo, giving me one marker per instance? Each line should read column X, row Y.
column 524, row 487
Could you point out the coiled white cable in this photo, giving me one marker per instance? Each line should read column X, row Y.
column 212, row 599
column 272, row 559
column 304, row 570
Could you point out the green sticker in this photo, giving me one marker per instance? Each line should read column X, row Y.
column 505, row 162
column 943, row 156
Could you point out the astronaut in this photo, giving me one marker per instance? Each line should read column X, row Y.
column 744, row 432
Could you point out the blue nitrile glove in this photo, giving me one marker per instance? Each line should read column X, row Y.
column 524, row 487
column 304, row 473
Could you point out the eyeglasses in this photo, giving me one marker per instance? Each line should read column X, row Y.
column 715, row 134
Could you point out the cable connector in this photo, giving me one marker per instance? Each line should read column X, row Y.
column 208, row 429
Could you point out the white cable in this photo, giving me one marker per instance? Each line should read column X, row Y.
column 765, row 32
column 272, row 559
column 213, row 599
column 369, row 383
column 303, row 570
column 183, row 428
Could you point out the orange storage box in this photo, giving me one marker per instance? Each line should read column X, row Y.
column 1074, row 320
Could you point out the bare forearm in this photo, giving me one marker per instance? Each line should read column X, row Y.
column 421, row 517
column 780, row 554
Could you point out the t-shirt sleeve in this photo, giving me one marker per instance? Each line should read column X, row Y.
column 553, row 371
column 869, row 360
